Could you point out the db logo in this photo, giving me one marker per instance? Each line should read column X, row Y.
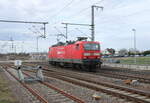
column 60, row 52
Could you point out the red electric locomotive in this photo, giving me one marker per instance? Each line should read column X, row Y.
column 82, row 54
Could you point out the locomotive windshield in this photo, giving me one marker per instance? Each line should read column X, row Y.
column 91, row 46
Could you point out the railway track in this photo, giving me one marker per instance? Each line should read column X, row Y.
column 124, row 76
column 129, row 94
column 142, row 76
column 125, row 70
column 60, row 91
column 57, row 94
column 120, row 74
column 32, row 91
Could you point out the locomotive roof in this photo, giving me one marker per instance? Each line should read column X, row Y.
column 72, row 42
column 86, row 42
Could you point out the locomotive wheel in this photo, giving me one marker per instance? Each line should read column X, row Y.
column 73, row 66
column 92, row 68
column 89, row 68
column 99, row 66
column 78, row 66
column 55, row 63
column 50, row 62
column 62, row 65
column 85, row 67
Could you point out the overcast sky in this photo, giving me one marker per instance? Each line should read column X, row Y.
column 113, row 25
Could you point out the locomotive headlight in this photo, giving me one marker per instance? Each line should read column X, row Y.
column 87, row 54
column 96, row 54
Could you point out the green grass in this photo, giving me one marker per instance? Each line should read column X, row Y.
column 139, row 60
column 5, row 94
column 130, row 60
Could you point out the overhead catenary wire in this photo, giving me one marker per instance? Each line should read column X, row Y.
column 58, row 30
column 84, row 9
column 78, row 13
column 92, row 25
column 83, row 33
column 60, row 11
column 81, row 11
column 37, row 30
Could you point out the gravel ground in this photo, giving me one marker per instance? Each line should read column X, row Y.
column 83, row 93
column 49, row 94
column 141, row 73
column 88, row 95
column 94, row 77
column 21, row 93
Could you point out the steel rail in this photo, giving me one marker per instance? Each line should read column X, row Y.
column 140, row 92
column 98, row 88
column 133, row 91
column 59, row 90
column 29, row 89
column 122, row 76
column 78, row 100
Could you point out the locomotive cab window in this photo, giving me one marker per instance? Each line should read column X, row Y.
column 91, row 46
column 77, row 46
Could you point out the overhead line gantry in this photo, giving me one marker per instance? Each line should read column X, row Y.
column 30, row 22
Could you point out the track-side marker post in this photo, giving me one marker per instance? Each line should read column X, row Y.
column 39, row 73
